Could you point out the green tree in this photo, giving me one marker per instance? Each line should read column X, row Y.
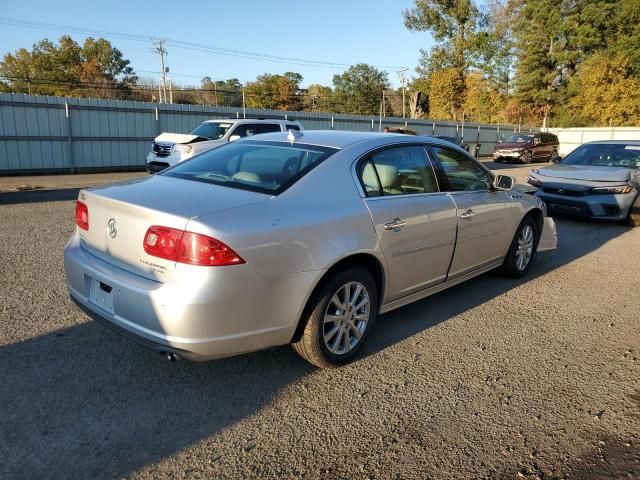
column 538, row 70
column 359, row 89
column 226, row 93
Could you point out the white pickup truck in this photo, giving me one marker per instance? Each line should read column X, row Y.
column 169, row 149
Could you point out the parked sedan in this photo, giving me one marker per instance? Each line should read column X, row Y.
column 597, row 180
column 299, row 238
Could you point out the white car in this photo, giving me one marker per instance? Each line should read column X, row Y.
column 169, row 149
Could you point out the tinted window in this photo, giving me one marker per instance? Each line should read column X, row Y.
column 398, row 171
column 519, row 138
column 268, row 128
column 246, row 130
column 211, row 130
column 293, row 127
column 463, row 173
column 605, row 155
column 268, row 167
column 553, row 138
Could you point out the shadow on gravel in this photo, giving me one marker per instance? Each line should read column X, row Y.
column 576, row 239
column 38, row 196
column 81, row 402
column 84, row 403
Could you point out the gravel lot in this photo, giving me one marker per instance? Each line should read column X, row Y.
column 495, row 378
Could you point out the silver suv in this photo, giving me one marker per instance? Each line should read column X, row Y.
column 169, row 149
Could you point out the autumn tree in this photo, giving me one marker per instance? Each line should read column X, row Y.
column 607, row 92
column 95, row 69
column 280, row 92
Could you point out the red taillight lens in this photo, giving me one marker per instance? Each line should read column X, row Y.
column 188, row 247
column 82, row 216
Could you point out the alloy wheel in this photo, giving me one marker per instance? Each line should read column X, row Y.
column 346, row 318
column 524, row 251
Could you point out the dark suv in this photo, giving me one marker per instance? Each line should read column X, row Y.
column 527, row 148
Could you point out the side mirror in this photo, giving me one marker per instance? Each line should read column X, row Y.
column 233, row 138
column 503, row 182
column 556, row 159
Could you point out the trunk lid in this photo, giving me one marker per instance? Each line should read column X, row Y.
column 587, row 173
column 120, row 214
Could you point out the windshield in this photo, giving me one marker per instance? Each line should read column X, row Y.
column 517, row 138
column 605, row 155
column 211, row 130
column 266, row 167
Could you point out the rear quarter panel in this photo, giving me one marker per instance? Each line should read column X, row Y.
column 315, row 223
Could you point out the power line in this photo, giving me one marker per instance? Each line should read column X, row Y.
column 213, row 49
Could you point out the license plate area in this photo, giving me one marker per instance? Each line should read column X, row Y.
column 101, row 295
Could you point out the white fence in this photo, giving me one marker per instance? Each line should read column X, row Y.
column 572, row 138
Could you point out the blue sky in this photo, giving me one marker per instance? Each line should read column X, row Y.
column 347, row 32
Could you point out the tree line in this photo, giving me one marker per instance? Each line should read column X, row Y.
column 535, row 62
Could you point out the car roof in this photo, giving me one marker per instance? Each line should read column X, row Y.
column 341, row 139
column 614, row 142
column 251, row 120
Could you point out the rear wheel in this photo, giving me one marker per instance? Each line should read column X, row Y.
column 554, row 154
column 339, row 318
column 523, row 250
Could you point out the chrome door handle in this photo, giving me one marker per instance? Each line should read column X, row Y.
column 468, row 215
column 396, row 224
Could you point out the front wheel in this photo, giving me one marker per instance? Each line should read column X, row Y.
column 633, row 218
column 527, row 157
column 338, row 319
column 523, row 249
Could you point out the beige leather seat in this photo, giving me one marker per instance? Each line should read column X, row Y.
column 387, row 175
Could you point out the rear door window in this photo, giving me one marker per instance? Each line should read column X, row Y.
column 246, row 130
column 268, row 128
column 398, row 171
column 293, row 127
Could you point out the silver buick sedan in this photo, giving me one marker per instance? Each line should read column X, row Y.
column 300, row 238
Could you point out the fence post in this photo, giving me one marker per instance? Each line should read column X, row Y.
column 158, row 132
column 69, row 137
column 433, row 128
column 331, row 122
column 372, row 124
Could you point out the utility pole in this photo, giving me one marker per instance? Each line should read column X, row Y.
column 401, row 74
column 159, row 48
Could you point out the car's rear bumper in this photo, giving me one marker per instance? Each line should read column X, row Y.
column 604, row 207
column 201, row 313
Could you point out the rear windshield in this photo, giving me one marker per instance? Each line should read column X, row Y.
column 605, row 155
column 211, row 130
column 519, row 139
column 266, row 167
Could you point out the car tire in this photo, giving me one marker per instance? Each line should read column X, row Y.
column 553, row 155
column 323, row 342
column 527, row 157
column 523, row 245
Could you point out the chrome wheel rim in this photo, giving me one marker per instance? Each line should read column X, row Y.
column 524, row 251
column 346, row 318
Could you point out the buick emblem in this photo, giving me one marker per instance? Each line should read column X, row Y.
column 112, row 228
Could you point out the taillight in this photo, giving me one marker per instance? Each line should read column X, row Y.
column 82, row 215
column 188, row 247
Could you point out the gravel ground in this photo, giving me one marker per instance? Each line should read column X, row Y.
column 495, row 378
